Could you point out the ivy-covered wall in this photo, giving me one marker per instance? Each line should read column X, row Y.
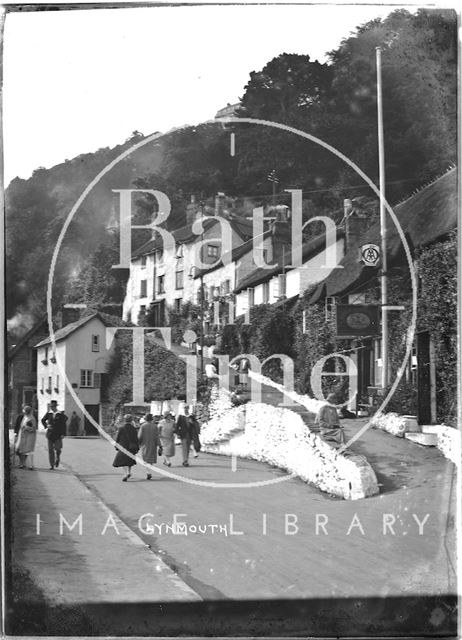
column 164, row 373
column 278, row 330
column 437, row 313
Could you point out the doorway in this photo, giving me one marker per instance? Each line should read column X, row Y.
column 93, row 411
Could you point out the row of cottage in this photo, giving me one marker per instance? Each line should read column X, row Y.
column 260, row 268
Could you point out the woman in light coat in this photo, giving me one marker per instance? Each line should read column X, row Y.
column 27, row 434
column 167, row 437
column 148, row 437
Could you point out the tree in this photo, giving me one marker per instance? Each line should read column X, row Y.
column 288, row 84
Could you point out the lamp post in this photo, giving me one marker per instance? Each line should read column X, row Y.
column 383, row 221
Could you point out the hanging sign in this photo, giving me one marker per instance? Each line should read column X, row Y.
column 357, row 320
column 370, row 254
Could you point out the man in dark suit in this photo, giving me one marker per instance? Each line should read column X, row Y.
column 54, row 422
column 183, row 430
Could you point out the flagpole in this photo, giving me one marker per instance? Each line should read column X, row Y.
column 383, row 221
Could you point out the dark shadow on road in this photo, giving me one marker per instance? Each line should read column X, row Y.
column 407, row 616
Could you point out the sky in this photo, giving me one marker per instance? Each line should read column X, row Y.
column 76, row 81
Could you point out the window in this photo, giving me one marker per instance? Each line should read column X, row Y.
column 226, row 287
column 251, row 297
column 42, row 387
column 143, row 288
column 177, row 303
column 160, row 256
column 86, row 378
column 57, row 384
column 143, row 261
column 357, row 298
column 329, row 307
column 49, row 384
column 160, row 284
column 95, row 343
column 212, row 251
column 265, row 292
column 179, row 280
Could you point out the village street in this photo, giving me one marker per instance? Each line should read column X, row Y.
column 307, row 546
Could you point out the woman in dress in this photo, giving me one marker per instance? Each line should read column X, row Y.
column 148, row 437
column 25, row 443
column 330, row 429
column 127, row 437
column 167, row 437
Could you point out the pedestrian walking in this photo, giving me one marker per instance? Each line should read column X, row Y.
column 74, row 424
column 127, row 437
column 54, row 422
column 27, row 434
column 195, row 430
column 330, row 428
column 148, row 437
column 167, row 437
column 183, row 430
column 244, row 366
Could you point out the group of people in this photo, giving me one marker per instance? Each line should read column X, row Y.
column 151, row 439
column 157, row 439
column 241, row 369
column 25, row 430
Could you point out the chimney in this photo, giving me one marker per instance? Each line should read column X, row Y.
column 71, row 313
column 192, row 209
column 219, row 203
column 356, row 223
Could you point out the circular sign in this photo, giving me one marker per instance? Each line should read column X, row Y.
column 358, row 320
column 370, row 254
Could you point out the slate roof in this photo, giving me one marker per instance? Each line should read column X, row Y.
column 61, row 334
column 24, row 340
column 183, row 235
column 309, row 249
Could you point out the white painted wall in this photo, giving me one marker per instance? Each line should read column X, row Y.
column 73, row 353
column 168, row 267
column 298, row 280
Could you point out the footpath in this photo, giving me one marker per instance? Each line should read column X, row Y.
column 67, row 567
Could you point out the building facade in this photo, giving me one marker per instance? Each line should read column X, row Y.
column 164, row 278
column 81, row 356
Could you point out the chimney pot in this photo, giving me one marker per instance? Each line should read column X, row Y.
column 347, row 206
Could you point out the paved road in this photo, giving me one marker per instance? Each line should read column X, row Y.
column 350, row 556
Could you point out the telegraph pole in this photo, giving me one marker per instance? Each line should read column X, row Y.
column 383, row 221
